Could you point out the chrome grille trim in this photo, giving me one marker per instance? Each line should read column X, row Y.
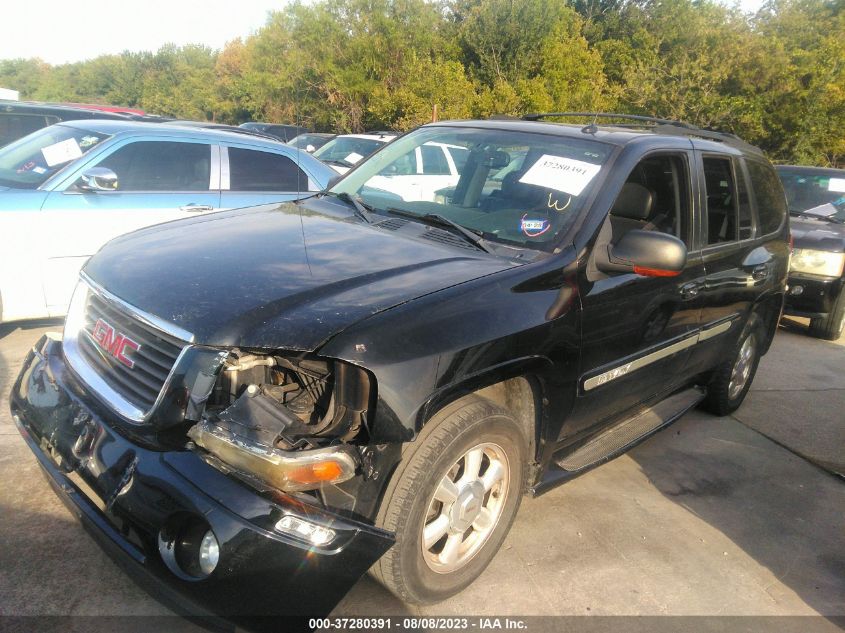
column 143, row 393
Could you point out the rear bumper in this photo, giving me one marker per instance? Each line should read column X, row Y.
column 816, row 298
column 125, row 494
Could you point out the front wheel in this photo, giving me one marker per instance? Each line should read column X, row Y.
column 732, row 379
column 451, row 501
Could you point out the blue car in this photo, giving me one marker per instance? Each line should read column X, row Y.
column 67, row 189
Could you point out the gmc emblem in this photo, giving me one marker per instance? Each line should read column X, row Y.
column 116, row 344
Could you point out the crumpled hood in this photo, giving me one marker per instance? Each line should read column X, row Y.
column 287, row 276
column 817, row 234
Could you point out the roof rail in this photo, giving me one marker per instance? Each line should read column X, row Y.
column 661, row 126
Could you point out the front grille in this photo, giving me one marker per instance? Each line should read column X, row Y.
column 153, row 360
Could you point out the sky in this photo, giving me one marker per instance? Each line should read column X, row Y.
column 74, row 30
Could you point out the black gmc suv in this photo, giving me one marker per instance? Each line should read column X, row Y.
column 816, row 199
column 253, row 408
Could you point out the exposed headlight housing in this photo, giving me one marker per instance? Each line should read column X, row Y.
column 290, row 471
column 824, row 263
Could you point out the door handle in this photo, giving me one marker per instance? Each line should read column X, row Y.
column 691, row 290
column 196, row 207
column 760, row 272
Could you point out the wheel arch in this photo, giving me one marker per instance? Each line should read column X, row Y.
column 516, row 387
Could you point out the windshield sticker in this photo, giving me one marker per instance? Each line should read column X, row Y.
column 39, row 170
column 534, row 228
column 837, row 185
column 27, row 166
column 61, row 152
column 87, row 141
column 556, row 204
column 353, row 158
column 564, row 174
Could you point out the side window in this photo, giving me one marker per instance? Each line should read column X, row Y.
column 434, row 161
column 253, row 170
column 768, row 192
column 721, row 195
column 460, row 156
column 655, row 197
column 161, row 166
column 15, row 126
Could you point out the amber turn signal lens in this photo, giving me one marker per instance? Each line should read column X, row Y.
column 316, row 473
column 655, row 272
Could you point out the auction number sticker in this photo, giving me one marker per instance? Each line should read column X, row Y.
column 61, row 152
column 837, row 185
column 564, row 174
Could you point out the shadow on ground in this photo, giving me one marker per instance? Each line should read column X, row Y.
column 777, row 508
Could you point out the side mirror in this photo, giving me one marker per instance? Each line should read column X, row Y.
column 648, row 253
column 97, row 179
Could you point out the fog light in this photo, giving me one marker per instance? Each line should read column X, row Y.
column 188, row 547
column 311, row 532
column 209, row 553
column 796, row 290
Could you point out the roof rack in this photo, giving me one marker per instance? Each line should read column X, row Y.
column 661, row 126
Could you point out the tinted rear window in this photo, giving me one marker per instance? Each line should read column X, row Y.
column 771, row 201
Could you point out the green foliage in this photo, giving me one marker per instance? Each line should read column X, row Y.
column 777, row 78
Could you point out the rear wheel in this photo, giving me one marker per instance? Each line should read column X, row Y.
column 451, row 501
column 830, row 327
column 732, row 379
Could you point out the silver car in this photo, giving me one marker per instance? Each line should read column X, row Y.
column 67, row 189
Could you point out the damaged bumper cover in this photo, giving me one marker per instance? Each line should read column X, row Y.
column 133, row 500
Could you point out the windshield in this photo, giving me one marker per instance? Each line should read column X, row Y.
column 309, row 142
column 30, row 161
column 815, row 191
column 512, row 187
column 347, row 150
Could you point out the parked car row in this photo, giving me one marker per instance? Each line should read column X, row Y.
column 67, row 189
column 253, row 408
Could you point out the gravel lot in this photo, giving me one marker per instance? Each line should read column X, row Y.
column 712, row 516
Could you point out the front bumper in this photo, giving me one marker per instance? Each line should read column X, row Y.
column 817, row 295
column 125, row 494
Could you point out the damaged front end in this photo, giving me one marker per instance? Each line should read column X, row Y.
column 244, row 505
column 285, row 421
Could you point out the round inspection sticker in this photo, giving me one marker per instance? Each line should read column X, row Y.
column 534, row 228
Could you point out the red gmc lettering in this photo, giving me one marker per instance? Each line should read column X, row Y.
column 114, row 343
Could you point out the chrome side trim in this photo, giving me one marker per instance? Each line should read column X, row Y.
column 74, row 325
column 714, row 330
column 638, row 363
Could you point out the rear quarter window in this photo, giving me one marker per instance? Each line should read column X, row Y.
column 768, row 192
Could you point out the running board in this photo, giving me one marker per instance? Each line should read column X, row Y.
column 620, row 437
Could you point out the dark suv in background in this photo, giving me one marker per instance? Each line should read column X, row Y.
column 19, row 118
column 253, row 408
column 816, row 198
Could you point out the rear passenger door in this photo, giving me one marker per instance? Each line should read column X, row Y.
column 737, row 265
column 251, row 176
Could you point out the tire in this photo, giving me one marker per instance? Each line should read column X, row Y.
column 830, row 327
column 420, row 575
column 731, row 380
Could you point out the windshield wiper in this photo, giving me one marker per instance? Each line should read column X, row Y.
column 435, row 219
column 362, row 210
